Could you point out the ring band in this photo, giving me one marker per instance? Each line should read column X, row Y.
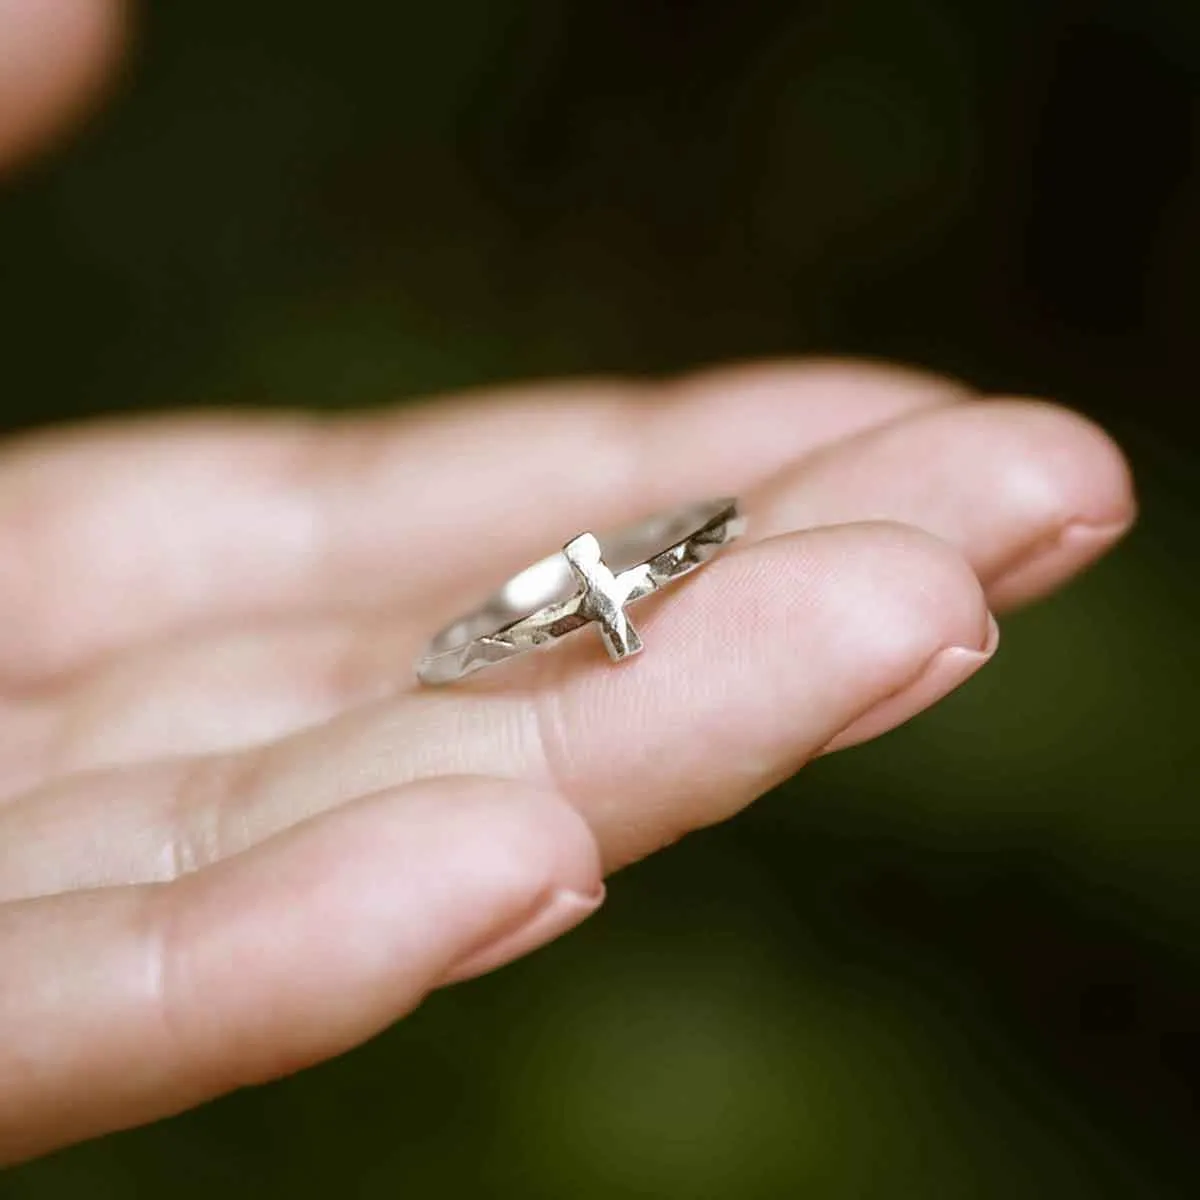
column 591, row 580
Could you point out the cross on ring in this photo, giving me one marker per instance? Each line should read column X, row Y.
column 578, row 587
column 604, row 595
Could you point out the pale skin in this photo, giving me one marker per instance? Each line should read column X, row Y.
column 235, row 838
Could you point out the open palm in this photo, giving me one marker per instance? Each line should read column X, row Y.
column 236, row 838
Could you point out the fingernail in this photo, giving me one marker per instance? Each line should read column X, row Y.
column 945, row 671
column 563, row 911
column 1064, row 551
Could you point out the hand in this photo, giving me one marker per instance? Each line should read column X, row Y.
column 234, row 837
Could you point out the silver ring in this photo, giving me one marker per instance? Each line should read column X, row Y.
column 591, row 580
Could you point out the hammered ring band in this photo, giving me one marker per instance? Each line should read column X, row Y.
column 592, row 580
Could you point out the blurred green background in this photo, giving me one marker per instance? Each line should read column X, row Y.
column 961, row 962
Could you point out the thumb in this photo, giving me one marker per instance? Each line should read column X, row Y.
column 121, row 1005
column 53, row 56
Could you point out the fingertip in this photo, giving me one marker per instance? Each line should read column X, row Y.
column 1027, row 490
column 54, row 56
column 533, row 842
column 907, row 594
column 1073, row 488
column 318, row 938
column 944, row 671
column 559, row 912
column 1054, row 559
column 750, row 668
column 1060, row 463
column 502, row 866
column 870, row 622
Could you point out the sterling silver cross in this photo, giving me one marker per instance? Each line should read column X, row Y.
column 539, row 605
column 604, row 595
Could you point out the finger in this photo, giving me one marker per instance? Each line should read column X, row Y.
column 123, row 1005
column 206, row 693
column 53, row 56
column 752, row 667
column 1030, row 492
column 174, row 524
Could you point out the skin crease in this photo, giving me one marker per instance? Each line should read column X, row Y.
column 236, row 839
